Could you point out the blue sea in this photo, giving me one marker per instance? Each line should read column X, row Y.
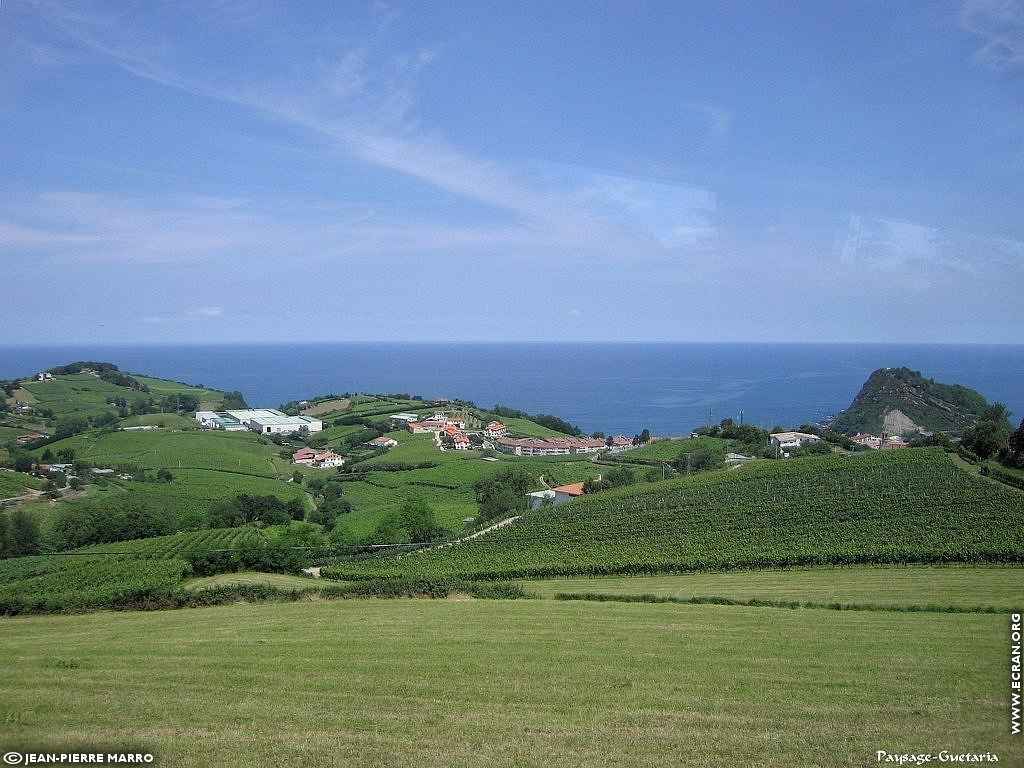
column 617, row 388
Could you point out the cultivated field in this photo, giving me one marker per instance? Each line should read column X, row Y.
column 507, row 683
column 889, row 507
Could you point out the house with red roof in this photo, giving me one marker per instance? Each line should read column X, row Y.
column 303, row 456
column 495, row 429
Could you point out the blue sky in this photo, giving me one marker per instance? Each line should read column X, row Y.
column 721, row 171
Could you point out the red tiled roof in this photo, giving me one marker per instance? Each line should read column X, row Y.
column 573, row 489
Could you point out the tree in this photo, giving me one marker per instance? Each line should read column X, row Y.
column 991, row 434
column 23, row 533
column 71, row 525
column 164, row 475
column 502, row 494
column 22, row 461
column 4, row 550
column 1016, row 446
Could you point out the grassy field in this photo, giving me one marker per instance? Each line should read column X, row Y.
column 522, row 683
column 75, row 394
column 964, row 587
column 194, row 491
column 670, row 449
column 281, row 580
column 169, row 420
column 209, row 399
column 16, row 483
column 448, row 487
column 199, row 449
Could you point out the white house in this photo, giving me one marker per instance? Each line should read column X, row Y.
column 401, row 419
column 538, row 499
column 383, row 442
column 564, row 493
column 328, row 459
column 495, row 429
column 786, row 440
column 461, row 442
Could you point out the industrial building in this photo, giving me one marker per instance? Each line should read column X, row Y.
column 266, row 421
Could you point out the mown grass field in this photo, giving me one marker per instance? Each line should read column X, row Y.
column 496, row 683
column 997, row 587
column 282, row 580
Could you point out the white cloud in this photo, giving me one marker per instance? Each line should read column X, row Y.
column 891, row 245
column 1001, row 23
column 718, row 119
column 362, row 102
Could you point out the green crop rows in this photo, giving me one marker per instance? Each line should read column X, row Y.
column 76, row 583
column 898, row 507
column 184, row 543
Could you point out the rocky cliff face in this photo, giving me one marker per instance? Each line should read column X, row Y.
column 902, row 401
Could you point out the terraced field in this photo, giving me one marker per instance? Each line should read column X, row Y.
column 896, row 507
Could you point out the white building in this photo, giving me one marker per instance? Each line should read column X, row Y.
column 403, row 418
column 786, row 440
column 328, row 459
column 495, row 429
column 266, row 421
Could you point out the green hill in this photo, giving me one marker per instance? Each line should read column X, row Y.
column 890, row 507
column 902, row 401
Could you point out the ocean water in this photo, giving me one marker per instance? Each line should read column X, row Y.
column 617, row 388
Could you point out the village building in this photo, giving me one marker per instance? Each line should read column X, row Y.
column 495, row 429
column 22, row 439
column 552, row 446
column 733, row 458
column 401, row 419
column 327, row 460
column 461, row 442
column 620, row 443
column 383, row 442
column 304, row 456
column 44, row 376
column 564, row 493
column 787, row 440
column 421, row 427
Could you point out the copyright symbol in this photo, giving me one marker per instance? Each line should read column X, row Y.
column 14, row 758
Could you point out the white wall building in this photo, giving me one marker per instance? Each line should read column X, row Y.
column 266, row 421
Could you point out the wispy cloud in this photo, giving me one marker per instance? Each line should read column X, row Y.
column 925, row 254
column 1001, row 24
column 362, row 102
column 718, row 119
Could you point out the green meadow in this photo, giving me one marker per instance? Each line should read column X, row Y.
column 962, row 587
column 506, row 683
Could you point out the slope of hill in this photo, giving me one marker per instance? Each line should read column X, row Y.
column 891, row 507
column 902, row 401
